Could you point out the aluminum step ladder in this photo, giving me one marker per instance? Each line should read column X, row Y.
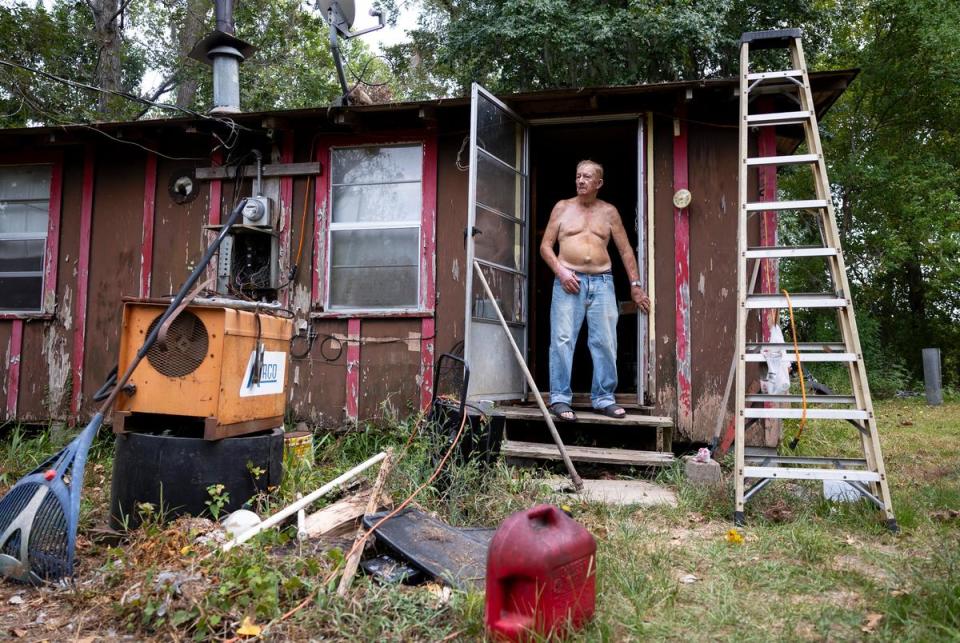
column 866, row 475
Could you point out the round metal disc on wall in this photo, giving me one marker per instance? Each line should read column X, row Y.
column 182, row 186
column 682, row 198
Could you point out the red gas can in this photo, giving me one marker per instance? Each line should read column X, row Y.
column 541, row 572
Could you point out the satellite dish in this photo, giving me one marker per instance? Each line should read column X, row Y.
column 344, row 13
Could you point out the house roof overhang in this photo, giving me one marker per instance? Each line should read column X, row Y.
column 709, row 102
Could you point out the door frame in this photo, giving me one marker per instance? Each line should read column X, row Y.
column 643, row 222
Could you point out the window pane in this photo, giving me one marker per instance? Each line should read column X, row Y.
column 373, row 287
column 498, row 187
column 25, row 182
column 21, row 256
column 377, row 164
column 24, row 216
column 20, row 293
column 374, row 268
column 499, row 240
column 397, row 202
column 507, row 290
column 498, row 133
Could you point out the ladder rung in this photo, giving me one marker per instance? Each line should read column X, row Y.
column 806, row 204
column 779, row 118
column 800, row 473
column 776, row 252
column 824, row 461
column 812, row 414
column 803, row 300
column 760, row 398
column 765, row 75
column 829, row 347
column 789, row 159
column 769, row 38
column 806, row 357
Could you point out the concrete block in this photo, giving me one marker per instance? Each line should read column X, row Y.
column 701, row 473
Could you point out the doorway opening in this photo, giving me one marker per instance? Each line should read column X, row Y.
column 555, row 151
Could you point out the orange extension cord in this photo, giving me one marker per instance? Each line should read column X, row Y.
column 803, row 387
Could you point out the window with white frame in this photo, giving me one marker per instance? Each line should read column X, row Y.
column 24, row 216
column 374, row 233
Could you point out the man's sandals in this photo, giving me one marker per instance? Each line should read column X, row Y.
column 562, row 411
column 613, row 411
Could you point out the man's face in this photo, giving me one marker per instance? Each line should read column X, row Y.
column 588, row 179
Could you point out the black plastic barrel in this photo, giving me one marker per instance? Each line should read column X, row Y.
column 173, row 473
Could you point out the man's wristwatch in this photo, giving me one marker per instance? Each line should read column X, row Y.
column 637, row 283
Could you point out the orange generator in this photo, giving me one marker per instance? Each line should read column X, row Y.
column 224, row 367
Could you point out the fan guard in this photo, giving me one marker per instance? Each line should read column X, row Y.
column 185, row 348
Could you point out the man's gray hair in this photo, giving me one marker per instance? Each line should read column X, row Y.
column 594, row 164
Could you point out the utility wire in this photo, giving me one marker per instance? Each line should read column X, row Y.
column 230, row 123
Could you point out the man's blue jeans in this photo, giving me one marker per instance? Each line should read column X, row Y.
column 597, row 302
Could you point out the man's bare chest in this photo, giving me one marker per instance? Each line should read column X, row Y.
column 584, row 226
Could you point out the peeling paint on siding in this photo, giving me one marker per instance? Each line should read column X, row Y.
column 301, row 298
column 455, row 270
column 57, row 354
column 702, row 284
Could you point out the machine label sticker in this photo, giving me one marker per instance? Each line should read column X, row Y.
column 271, row 375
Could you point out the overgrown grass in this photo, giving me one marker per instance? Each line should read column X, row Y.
column 807, row 568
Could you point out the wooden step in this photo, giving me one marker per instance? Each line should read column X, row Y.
column 626, row 457
column 532, row 413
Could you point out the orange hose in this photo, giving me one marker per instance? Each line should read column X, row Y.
column 796, row 351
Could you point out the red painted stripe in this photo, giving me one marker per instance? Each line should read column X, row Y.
column 353, row 369
column 681, row 236
column 769, row 268
column 149, row 211
column 286, row 212
column 428, row 220
column 427, row 329
column 13, row 368
column 320, row 241
column 52, row 252
column 83, row 278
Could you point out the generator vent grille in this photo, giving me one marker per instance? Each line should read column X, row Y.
column 185, row 347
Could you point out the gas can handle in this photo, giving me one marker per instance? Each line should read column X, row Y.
column 544, row 514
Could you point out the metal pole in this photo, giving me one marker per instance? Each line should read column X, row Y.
column 577, row 482
column 932, row 381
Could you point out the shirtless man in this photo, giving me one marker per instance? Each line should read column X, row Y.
column 583, row 287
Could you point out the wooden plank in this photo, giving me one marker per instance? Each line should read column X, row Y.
column 585, row 417
column 339, row 518
column 271, row 169
column 83, row 280
column 540, row 451
column 15, row 348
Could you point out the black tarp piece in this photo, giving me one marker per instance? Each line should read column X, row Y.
column 456, row 556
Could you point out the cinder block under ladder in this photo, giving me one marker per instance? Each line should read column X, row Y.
column 867, row 474
column 589, row 421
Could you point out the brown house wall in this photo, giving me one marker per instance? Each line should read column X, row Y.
column 390, row 349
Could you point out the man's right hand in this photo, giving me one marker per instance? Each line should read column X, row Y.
column 569, row 281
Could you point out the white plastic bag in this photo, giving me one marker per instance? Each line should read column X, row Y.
column 777, row 380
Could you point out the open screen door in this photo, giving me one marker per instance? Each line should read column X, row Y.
column 497, row 216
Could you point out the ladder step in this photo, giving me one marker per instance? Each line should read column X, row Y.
column 790, row 159
column 779, row 118
column 812, row 414
column 800, row 473
column 829, row 347
column 778, row 252
column 802, row 300
column 541, row 451
column 806, row 204
column 760, row 398
column 806, row 357
column 765, row 75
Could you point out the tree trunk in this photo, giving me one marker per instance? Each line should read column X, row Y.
column 106, row 20
column 187, row 34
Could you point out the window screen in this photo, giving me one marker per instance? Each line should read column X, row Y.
column 24, row 214
column 377, row 204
